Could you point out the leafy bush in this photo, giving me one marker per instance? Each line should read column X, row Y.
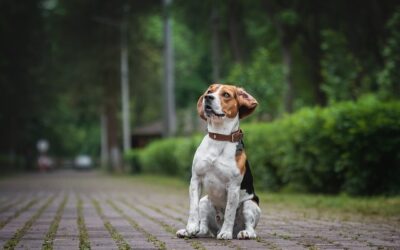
column 350, row 147
column 171, row 156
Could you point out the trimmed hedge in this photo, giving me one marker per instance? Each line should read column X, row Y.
column 351, row 147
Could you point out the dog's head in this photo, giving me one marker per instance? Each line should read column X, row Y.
column 225, row 101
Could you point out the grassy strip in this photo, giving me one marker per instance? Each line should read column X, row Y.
column 118, row 238
column 49, row 238
column 158, row 182
column 194, row 243
column 338, row 204
column 18, row 212
column 84, row 242
column 151, row 238
column 6, row 207
column 12, row 243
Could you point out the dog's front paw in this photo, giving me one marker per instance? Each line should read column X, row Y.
column 203, row 232
column 192, row 229
column 246, row 235
column 182, row 233
column 223, row 235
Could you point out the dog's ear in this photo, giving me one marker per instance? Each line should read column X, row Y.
column 247, row 103
column 200, row 109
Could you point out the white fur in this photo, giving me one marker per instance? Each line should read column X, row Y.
column 226, row 210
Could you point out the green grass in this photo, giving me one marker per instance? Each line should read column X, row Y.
column 12, row 243
column 84, row 242
column 366, row 206
column 325, row 204
column 49, row 238
column 155, row 181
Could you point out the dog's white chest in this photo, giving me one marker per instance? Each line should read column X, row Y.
column 216, row 165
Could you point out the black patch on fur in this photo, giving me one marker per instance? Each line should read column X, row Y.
column 247, row 182
column 239, row 147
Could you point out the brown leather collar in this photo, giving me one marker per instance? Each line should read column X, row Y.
column 234, row 137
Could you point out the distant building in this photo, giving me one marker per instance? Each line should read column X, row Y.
column 143, row 135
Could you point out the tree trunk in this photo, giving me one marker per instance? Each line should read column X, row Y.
column 112, row 127
column 215, row 52
column 126, row 130
column 169, row 81
column 313, row 46
column 287, row 36
column 234, row 30
column 110, row 73
column 287, row 64
column 316, row 77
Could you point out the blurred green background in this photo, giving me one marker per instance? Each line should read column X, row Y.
column 326, row 75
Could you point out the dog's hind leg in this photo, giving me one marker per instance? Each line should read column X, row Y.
column 251, row 215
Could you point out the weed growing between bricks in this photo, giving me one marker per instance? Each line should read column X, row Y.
column 117, row 237
column 84, row 243
column 18, row 212
column 11, row 243
column 49, row 238
column 194, row 243
column 151, row 238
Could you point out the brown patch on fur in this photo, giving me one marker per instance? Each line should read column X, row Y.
column 213, row 87
column 234, row 101
column 247, row 103
column 241, row 161
column 230, row 105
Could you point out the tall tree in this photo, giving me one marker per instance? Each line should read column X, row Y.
column 24, row 95
column 169, row 73
column 215, row 20
column 285, row 21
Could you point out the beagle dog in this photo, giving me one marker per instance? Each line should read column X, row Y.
column 221, row 171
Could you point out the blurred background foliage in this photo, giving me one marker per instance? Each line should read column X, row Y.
column 59, row 63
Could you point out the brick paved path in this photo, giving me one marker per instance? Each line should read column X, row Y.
column 69, row 210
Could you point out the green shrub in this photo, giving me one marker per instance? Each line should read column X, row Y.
column 351, row 147
column 171, row 156
column 132, row 159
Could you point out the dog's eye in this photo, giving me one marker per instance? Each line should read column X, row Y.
column 226, row 95
column 209, row 92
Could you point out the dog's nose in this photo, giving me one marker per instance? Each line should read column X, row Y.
column 209, row 98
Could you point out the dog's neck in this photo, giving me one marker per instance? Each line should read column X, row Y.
column 224, row 126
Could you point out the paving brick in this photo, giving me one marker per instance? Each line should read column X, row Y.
column 132, row 236
column 39, row 229
column 8, row 231
column 68, row 234
column 155, row 229
column 161, row 211
column 98, row 235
